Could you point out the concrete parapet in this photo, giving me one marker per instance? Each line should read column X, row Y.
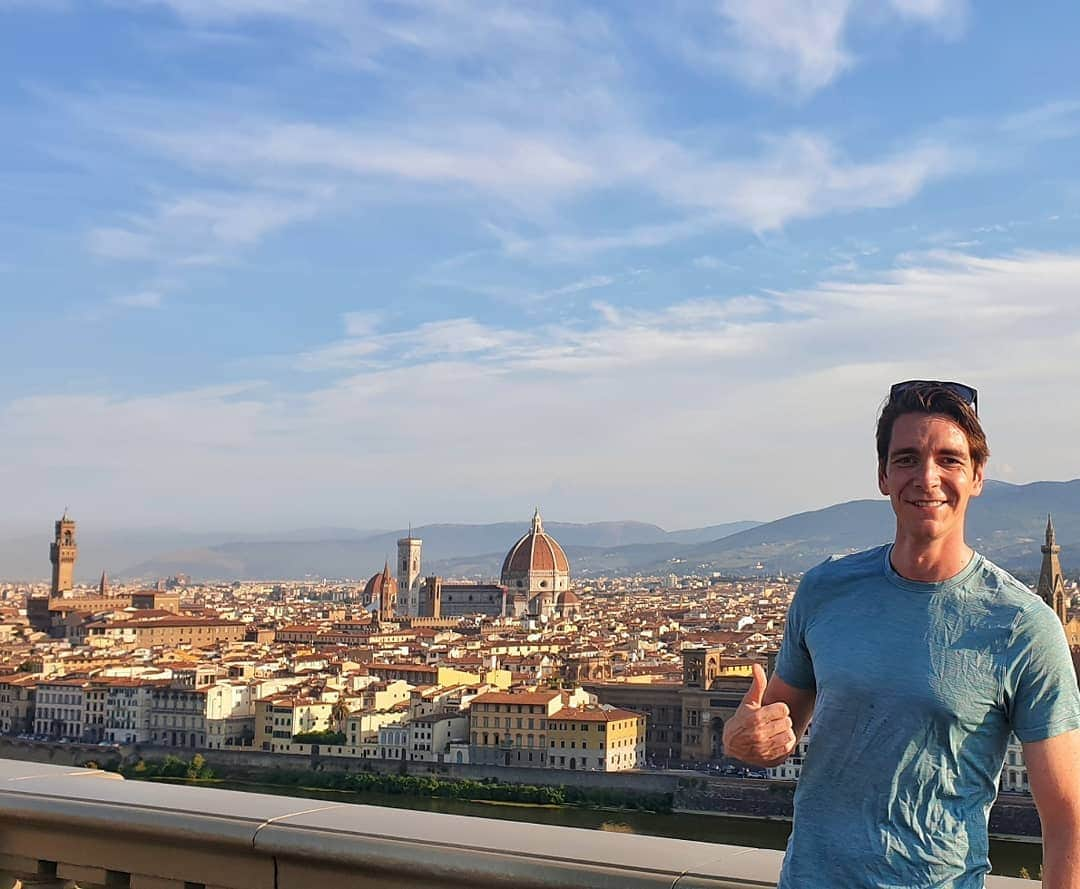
column 59, row 824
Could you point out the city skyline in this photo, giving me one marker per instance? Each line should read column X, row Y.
column 277, row 265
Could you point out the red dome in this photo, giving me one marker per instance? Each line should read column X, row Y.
column 535, row 551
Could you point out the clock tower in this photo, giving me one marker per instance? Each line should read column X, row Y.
column 62, row 553
column 408, row 575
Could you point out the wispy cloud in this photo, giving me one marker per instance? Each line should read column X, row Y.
column 204, row 227
column 551, row 118
column 1052, row 120
column 792, row 47
column 143, row 299
column 592, row 403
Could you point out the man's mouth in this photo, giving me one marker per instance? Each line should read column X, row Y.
column 927, row 504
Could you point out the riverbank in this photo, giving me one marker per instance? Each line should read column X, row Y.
column 415, row 786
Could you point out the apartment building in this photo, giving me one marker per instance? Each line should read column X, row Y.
column 59, row 708
column 279, row 717
column 178, row 716
column 230, row 715
column 596, row 738
column 128, row 705
column 394, row 741
column 430, row 736
column 507, row 728
column 17, row 699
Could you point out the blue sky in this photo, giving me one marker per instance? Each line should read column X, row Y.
column 285, row 263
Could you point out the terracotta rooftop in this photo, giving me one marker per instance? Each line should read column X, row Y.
column 593, row 714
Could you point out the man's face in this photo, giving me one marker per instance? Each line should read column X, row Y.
column 929, row 476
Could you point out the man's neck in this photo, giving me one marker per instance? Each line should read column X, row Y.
column 930, row 561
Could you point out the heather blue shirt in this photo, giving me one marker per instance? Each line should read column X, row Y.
column 918, row 687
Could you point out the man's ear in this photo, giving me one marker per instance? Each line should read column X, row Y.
column 978, row 476
column 882, row 483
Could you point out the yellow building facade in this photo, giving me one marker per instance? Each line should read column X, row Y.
column 596, row 738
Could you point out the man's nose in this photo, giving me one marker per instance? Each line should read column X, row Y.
column 929, row 474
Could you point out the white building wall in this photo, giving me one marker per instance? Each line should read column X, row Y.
column 408, row 575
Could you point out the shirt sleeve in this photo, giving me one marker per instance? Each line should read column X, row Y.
column 1041, row 694
column 794, row 664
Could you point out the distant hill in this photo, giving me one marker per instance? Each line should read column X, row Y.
column 450, row 549
column 711, row 532
column 1007, row 524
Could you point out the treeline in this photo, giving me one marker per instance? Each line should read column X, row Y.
column 335, row 739
column 467, row 789
column 487, row 789
column 170, row 767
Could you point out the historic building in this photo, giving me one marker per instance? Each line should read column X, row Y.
column 440, row 599
column 1051, row 587
column 382, row 587
column 684, row 721
column 62, row 553
column 409, row 576
column 536, row 569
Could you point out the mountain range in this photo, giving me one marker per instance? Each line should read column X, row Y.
column 1007, row 523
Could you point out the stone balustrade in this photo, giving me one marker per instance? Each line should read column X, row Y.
column 62, row 827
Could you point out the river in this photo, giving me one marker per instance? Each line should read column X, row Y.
column 1006, row 857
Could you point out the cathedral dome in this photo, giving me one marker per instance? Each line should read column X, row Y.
column 537, row 567
column 535, row 551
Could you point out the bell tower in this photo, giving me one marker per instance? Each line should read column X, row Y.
column 62, row 553
column 408, row 575
column 1051, row 588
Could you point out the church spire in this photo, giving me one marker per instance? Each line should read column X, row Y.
column 103, row 587
column 1051, row 588
column 537, row 522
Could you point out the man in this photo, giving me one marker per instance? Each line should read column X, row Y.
column 917, row 659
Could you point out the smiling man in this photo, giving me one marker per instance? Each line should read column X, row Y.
column 917, row 660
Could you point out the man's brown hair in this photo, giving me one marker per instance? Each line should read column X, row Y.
column 931, row 398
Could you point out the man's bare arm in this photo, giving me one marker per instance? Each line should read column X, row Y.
column 1054, row 773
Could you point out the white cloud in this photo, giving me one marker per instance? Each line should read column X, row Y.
column 487, row 156
column 440, row 419
column 203, row 227
column 795, row 47
column 143, row 299
column 1052, row 120
column 359, row 324
column 799, row 177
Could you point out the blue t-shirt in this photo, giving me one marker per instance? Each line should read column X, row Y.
column 918, row 687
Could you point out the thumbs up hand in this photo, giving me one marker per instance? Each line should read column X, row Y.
column 759, row 734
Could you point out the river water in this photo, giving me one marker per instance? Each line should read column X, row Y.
column 1006, row 857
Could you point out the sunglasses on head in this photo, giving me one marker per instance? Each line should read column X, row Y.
column 968, row 394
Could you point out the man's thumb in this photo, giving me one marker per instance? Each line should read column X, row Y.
column 756, row 692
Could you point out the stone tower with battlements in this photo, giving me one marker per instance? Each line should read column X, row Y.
column 1051, row 588
column 62, row 553
column 408, row 575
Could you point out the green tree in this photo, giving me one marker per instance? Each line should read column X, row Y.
column 339, row 715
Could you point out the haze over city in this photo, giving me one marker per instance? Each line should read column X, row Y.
column 274, row 265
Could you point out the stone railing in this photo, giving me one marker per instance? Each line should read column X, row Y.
column 63, row 827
